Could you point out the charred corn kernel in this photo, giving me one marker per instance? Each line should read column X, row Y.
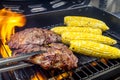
column 85, row 22
column 68, row 36
column 60, row 29
column 94, row 49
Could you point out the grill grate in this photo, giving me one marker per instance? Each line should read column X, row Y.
column 84, row 71
column 89, row 67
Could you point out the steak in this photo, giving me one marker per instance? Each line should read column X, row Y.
column 56, row 56
column 33, row 36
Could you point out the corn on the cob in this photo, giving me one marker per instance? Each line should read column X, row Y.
column 94, row 49
column 85, row 22
column 60, row 29
column 68, row 36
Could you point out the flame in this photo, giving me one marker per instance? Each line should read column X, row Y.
column 101, row 60
column 62, row 76
column 38, row 76
column 94, row 63
column 8, row 21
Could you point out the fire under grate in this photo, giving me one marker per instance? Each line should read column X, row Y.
column 83, row 72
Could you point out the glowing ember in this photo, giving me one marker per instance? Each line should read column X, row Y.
column 103, row 61
column 38, row 76
column 8, row 21
column 94, row 63
column 62, row 76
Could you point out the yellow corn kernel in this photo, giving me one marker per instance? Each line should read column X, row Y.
column 75, row 21
column 60, row 29
column 94, row 49
column 68, row 36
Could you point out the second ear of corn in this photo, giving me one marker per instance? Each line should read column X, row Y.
column 85, row 22
column 94, row 49
column 60, row 29
column 68, row 36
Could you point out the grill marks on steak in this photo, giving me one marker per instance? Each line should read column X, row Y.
column 56, row 56
column 33, row 36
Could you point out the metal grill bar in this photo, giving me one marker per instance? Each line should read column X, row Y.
column 85, row 74
column 29, row 72
column 76, row 76
column 110, row 64
column 87, row 70
column 104, row 65
column 103, row 72
column 93, row 68
column 27, row 77
column 117, row 62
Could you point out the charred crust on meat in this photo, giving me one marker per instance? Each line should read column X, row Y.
column 37, row 36
column 56, row 56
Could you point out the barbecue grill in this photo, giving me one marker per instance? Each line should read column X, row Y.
column 37, row 6
column 88, row 67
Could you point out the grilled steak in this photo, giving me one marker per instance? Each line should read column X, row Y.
column 57, row 56
column 33, row 36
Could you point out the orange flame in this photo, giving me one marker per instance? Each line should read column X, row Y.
column 62, row 76
column 38, row 76
column 8, row 21
column 101, row 60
